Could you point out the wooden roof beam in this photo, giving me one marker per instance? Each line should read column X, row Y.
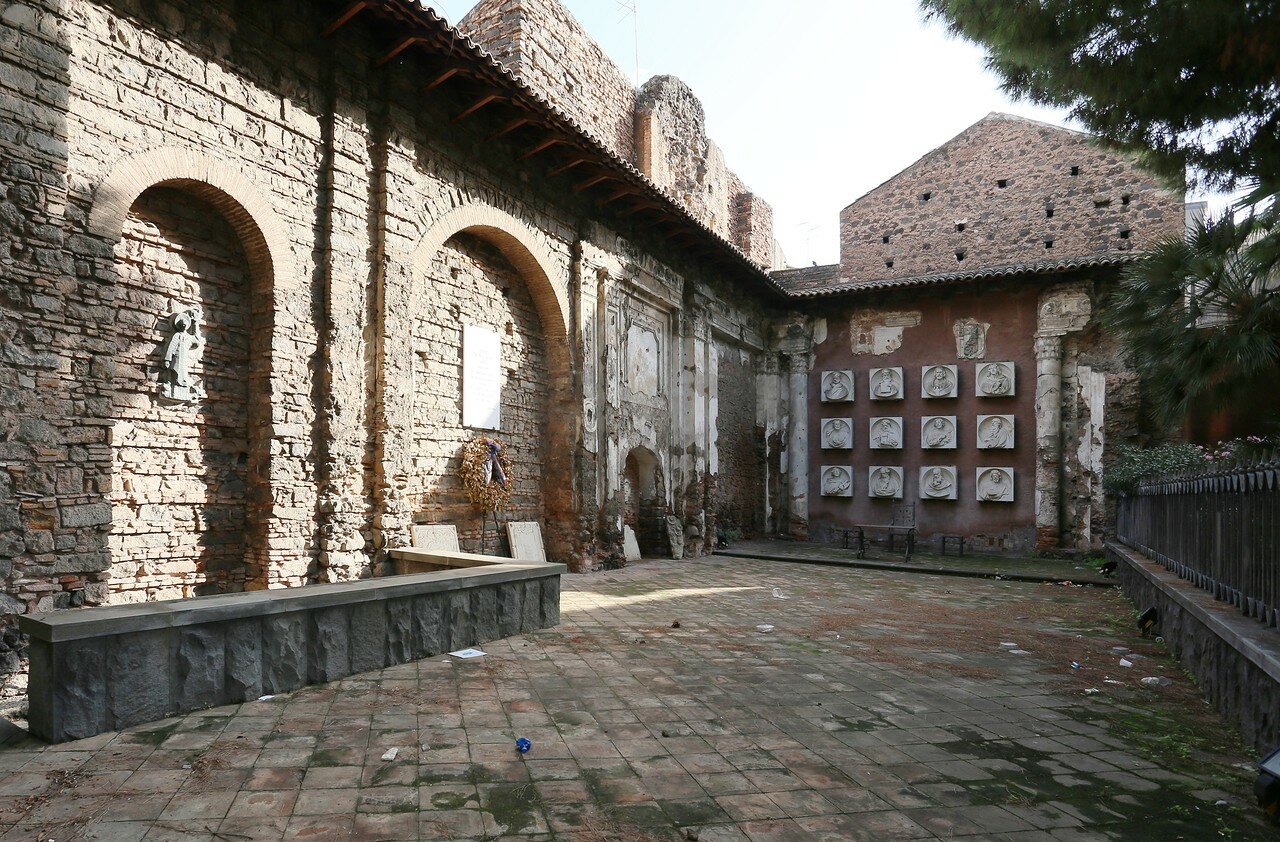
column 404, row 44
column 565, row 167
column 511, row 127
column 345, row 18
column 555, row 140
column 620, row 193
column 489, row 97
column 593, row 181
column 445, row 75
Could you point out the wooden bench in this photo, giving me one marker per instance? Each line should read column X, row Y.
column 903, row 523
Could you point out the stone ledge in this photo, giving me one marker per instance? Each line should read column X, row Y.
column 119, row 619
column 1235, row 660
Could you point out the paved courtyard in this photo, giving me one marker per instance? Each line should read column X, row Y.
column 880, row 705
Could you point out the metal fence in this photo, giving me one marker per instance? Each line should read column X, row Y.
column 1220, row 531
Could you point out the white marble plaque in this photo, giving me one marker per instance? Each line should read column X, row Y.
column 995, row 432
column 481, row 378
column 837, row 481
column 938, row 482
column 884, row 482
column 525, row 538
column 939, row 381
column 886, row 384
column 837, row 386
column 630, row 546
column 837, row 433
column 995, row 380
column 443, row 538
column 938, row 432
column 995, row 485
column 885, row 433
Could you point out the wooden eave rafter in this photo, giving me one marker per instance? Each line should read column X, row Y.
column 402, row 45
column 568, row 165
column 554, row 140
column 486, row 98
column 511, row 126
column 593, row 181
column 346, row 16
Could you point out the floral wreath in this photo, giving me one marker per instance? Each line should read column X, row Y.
column 486, row 473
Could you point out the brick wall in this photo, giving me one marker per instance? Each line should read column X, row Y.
column 998, row 194
column 180, row 480
column 473, row 284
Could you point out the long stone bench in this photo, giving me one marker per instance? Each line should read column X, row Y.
column 102, row 669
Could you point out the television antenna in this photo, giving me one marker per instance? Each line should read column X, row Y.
column 629, row 10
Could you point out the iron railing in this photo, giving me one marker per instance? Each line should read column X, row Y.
column 1219, row 530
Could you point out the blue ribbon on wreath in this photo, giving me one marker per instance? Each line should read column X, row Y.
column 493, row 466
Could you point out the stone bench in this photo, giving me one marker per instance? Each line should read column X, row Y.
column 102, row 669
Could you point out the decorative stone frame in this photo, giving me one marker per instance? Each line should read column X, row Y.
column 871, row 432
column 828, row 376
column 977, row 486
column 980, row 370
column 950, row 471
column 927, row 420
column 928, row 371
column 896, row 372
column 899, row 480
column 822, row 481
column 984, row 421
column 824, row 437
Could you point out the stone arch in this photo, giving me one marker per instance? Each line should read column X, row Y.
column 645, row 506
column 546, row 278
column 250, row 215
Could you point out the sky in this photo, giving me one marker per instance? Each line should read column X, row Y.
column 814, row 102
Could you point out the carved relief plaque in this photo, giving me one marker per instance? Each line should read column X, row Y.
column 837, row 481
column 481, row 378
column 837, row 434
column 939, row 381
column 938, row 482
column 971, row 339
column 995, row 432
column 938, row 432
column 885, row 433
column 837, row 386
column 886, row 384
column 182, row 351
column 884, row 482
column 995, row 485
column 995, row 380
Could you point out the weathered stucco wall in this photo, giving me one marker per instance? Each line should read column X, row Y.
column 1006, row 190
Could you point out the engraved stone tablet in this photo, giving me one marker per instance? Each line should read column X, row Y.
column 995, row 485
column 885, row 482
column 938, row 432
column 938, row 482
column 886, row 384
column 837, row 481
column 885, row 433
column 994, row 380
column 939, row 381
column 995, row 432
column 443, row 538
column 630, row 546
column 481, row 378
column 837, row 386
column 837, row 433
column 526, row 541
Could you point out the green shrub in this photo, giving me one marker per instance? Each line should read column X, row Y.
column 1134, row 464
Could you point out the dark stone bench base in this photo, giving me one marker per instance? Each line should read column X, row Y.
column 102, row 669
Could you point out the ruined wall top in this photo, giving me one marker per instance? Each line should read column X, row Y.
column 661, row 128
column 1006, row 191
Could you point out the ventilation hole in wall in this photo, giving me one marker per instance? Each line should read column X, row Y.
column 1124, row 233
column 1048, row 212
column 960, row 226
column 959, row 254
column 1002, row 183
column 885, row 238
column 1125, row 199
column 1102, row 203
column 511, row 329
column 1075, row 170
column 1048, row 242
column 926, row 196
column 888, row 264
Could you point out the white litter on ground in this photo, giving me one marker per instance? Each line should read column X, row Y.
column 390, row 755
column 778, row 594
column 265, row 698
column 764, row 627
column 1125, row 662
column 1009, row 645
column 467, row 654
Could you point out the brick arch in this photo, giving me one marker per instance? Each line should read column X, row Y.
column 218, row 182
column 522, row 247
column 269, row 260
column 546, row 277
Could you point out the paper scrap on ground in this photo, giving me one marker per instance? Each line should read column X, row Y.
column 1019, row 652
column 778, row 594
column 1009, row 645
column 1125, row 662
column 467, row 653
column 764, row 627
column 390, row 755
column 265, row 698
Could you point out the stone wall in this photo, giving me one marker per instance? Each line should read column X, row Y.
column 739, row 444
column 1005, row 191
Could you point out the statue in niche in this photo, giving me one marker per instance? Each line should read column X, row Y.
column 996, row 380
column 995, row 485
column 886, row 384
column 181, row 352
column 940, row 383
column 995, row 432
column 939, row 433
column 838, row 387
column 885, row 435
column 837, row 434
column 885, row 483
column 837, row 482
column 938, row 484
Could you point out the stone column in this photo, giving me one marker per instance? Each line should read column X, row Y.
column 1048, row 350
column 798, row 444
